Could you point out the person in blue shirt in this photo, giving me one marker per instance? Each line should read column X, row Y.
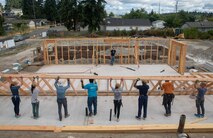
column 201, row 88
column 14, row 87
column 92, row 88
column 61, row 99
column 142, row 99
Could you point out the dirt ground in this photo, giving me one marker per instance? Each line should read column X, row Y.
column 20, row 53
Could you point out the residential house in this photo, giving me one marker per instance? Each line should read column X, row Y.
column 158, row 24
column 8, row 24
column 16, row 12
column 40, row 22
column 127, row 24
column 201, row 26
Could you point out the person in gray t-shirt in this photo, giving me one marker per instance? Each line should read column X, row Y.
column 34, row 98
column 117, row 97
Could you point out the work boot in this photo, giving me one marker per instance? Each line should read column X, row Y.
column 67, row 115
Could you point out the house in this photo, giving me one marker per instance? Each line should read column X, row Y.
column 9, row 22
column 127, row 24
column 40, row 22
column 158, row 24
column 16, row 12
column 201, row 26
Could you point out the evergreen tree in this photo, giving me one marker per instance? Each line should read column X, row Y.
column 50, row 8
column 70, row 13
column 13, row 4
column 1, row 25
column 93, row 13
column 111, row 14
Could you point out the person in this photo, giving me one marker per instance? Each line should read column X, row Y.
column 92, row 88
column 14, row 87
column 113, row 51
column 168, row 96
column 142, row 99
column 34, row 98
column 61, row 99
column 117, row 97
column 201, row 88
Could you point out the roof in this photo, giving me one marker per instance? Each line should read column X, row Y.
column 158, row 21
column 205, row 24
column 127, row 22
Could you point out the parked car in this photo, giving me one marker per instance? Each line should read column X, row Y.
column 18, row 38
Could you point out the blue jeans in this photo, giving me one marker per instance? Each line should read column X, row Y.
column 35, row 109
column 142, row 103
column 16, row 102
column 200, row 104
column 92, row 101
column 112, row 60
column 62, row 101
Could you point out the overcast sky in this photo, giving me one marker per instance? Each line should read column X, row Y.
column 124, row 6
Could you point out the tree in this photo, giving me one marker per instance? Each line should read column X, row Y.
column 93, row 14
column 70, row 12
column 1, row 25
column 33, row 9
column 153, row 16
column 50, row 10
column 13, row 4
column 136, row 14
column 111, row 14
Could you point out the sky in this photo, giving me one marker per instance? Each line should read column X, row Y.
column 120, row 7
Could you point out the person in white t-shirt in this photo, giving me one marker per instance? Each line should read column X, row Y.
column 117, row 97
column 34, row 98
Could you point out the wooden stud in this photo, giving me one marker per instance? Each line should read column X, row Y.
column 74, row 53
column 157, row 54
column 68, row 48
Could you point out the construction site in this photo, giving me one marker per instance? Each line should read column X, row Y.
column 152, row 59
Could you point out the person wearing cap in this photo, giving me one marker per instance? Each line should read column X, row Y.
column 92, row 88
column 61, row 99
column 168, row 96
column 34, row 98
column 117, row 97
column 14, row 87
column 201, row 89
column 142, row 99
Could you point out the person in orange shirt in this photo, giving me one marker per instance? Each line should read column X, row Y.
column 168, row 96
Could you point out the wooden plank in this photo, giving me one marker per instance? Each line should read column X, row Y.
column 56, row 54
column 74, row 53
column 27, row 128
column 68, row 56
column 157, row 54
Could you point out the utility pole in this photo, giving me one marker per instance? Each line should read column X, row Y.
column 159, row 8
column 176, row 7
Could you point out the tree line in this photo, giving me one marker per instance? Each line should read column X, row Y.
column 70, row 12
column 91, row 13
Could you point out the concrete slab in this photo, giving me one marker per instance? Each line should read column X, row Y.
column 77, row 104
column 108, row 70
